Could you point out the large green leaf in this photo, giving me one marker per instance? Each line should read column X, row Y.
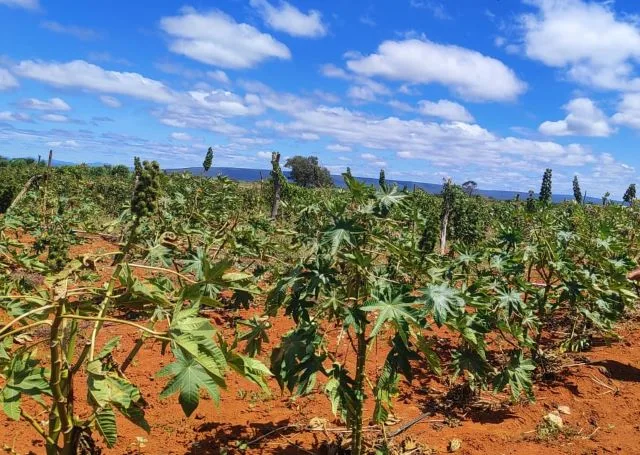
column 341, row 232
column 188, row 378
column 393, row 305
column 442, row 301
column 517, row 375
column 106, row 426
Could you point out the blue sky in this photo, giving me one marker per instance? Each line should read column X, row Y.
column 489, row 90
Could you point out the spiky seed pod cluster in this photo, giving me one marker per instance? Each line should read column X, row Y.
column 145, row 196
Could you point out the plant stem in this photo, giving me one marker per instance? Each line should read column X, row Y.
column 36, row 426
column 26, row 315
column 117, row 321
column 361, row 359
column 161, row 269
column 59, row 414
column 26, row 327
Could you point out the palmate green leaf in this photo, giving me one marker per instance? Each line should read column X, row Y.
column 249, row 368
column 342, row 231
column 296, row 360
column 517, row 375
column 395, row 306
column 386, row 198
column 510, row 301
column 204, row 352
column 472, row 362
column 188, row 378
column 340, row 389
column 158, row 254
column 106, row 426
column 442, row 301
column 255, row 335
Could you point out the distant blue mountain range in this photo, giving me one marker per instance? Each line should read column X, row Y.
column 254, row 175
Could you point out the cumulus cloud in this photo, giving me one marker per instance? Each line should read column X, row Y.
column 110, row 101
column 7, row 80
column 584, row 118
column 628, row 111
column 468, row 73
column 82, row 33
column 445, row 145
column 595, row 46
column 289, row 19
column 52, row 104
column 58, row 118
column 7, row 116
column 219, row 76
column 338, row 148
column 217, row 39
column 26, row 4
column 445, row 109
column 179, row 136
column 87, row 76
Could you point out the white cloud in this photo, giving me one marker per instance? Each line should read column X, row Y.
column 68, row 143
column 436, row 8
column 178, row 136
column 219, row 75
column 26, row 4
column 58, row 118
column 264, row 155
column 445, row 145
column 81, row 33
column 445, row 109
column 373, row 160
column 6, row 116
column 289, row 19
column 584, row 118
column 53, row 104
column 367, row 90
column 401, row 106
column 468, row 73
column 87, row 76
column 628, row 111
column 595, row 46
column 217, row 39
column 338, row 148
column 110, row 101
column 225, row 103
column 7, row 80
column 332, row 71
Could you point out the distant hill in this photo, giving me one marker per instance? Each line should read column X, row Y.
column 254, row 175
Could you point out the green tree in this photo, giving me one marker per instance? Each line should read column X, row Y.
column 469, row 187
column 605, row 198
column 577, row 193
column 630, row 194
column 545, row 188
column 348, row 172
column 382, row 180
column 307, row 172
column 208, row 160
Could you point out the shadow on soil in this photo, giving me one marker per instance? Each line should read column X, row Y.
column 620, row 371
column 225, row 439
